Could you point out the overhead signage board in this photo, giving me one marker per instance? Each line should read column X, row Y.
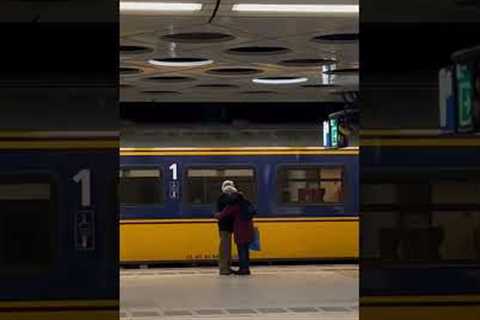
column 326, row 134
column 464, row 97
column 334, row 133
column 447, row 100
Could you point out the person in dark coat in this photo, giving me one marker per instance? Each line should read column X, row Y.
column 242, row 230
column 225, row 229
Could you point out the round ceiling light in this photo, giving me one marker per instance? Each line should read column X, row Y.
column 314, row 62
column 180, row 62
column 129, row 71
column 337, row 38
column 229, row 71
column 198, row 37
column 256, row 50
column 280, row 80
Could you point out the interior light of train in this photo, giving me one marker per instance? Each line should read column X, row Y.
column 179, row 63
column 129, row 6
column 300, row 8
column 280, row 81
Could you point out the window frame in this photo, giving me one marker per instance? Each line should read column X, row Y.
column 55, row 211
column 185, row 194
column 278, row 187
column 162, row 183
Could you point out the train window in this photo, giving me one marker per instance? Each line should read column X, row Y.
column 140, row 187
column 27, row 224
column 312, row 185
column 204, row 184
column 436, row 220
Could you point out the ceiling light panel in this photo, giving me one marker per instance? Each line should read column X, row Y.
column 280, row 80
column 133, row 7
column 180, row 62
column 296, row 8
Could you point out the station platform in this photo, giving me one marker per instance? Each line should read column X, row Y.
column 327, row 292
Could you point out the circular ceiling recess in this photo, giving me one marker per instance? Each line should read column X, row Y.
column 343, row 72
column 160, row 92
column 337, row 38
column 306, row 62
column 198, row 37
column 130, row 49
column 320, row 86
column 234, row 71
column 180, row 62
column 255, row 50
column 216, row 85
column 170, row 79
column 253, row 92
column 280, row 80
column 129, row 71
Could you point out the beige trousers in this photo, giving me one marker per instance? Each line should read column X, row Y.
column 225, row 251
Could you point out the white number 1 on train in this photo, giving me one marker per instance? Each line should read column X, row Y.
column 173, row 167
column 83, row 176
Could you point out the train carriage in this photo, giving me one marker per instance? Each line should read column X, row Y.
column 58, row 240
column 306, row 200
column 420, row 240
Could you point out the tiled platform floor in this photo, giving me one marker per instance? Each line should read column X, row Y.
column 272, row 292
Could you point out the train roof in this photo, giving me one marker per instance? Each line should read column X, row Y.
column 230, row 151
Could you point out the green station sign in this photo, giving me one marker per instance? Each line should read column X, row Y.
column 464, row 97
column 334, row 133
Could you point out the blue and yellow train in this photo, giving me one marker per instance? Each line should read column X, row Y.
column 306, row 198
column 420, row 239
column 58, row 234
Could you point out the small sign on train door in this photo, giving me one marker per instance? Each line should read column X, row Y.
column 173, row 190
column 84, row 230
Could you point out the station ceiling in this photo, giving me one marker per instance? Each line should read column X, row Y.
column 241, row 46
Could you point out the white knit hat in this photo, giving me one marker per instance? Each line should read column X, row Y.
column 228, row 186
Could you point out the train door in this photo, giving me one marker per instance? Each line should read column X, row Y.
column 58, row 225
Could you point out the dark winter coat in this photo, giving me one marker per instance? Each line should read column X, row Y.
column 225, row 224
column 242, row 227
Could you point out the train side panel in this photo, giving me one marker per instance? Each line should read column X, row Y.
column 177, row 232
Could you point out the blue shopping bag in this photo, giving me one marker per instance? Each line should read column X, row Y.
column 255, row 244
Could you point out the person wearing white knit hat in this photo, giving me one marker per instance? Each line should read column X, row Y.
column 225, row 229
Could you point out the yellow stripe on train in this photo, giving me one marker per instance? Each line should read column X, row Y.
column 438, row 307
column 59, row 310
column 170, row 241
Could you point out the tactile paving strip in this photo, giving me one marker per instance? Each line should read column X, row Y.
column 228, row 312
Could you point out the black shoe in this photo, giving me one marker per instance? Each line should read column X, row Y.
column 244, row 272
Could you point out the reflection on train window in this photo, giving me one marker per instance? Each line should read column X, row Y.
column 456, row 212
column 140, row 187
column 313, row 185
column 27, row 224
column 423, row 221
column 204, row 184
